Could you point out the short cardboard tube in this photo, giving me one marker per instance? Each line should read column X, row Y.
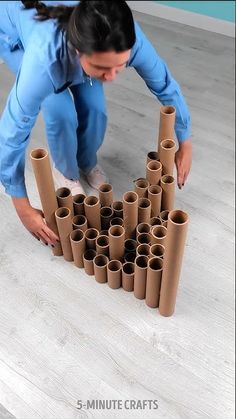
column 144, row 210
column 106, row 217
column 128, row 276
column 100, row 268
column 158, row 235
column 102, row 245
column 114, row 269
column 64, row 225
column 168, row 192
column 153, row 172
column 78, row 246
column 91, row 235
column 154, row 273
column 144, row 238
column 117, row 221
column 117, row 207
column 140, row 187
column 130, row 210
column 164, row 217
column 140, row 276
column 155, row 221
column 80, row 222
column 130, row 245
column 65, row 199
column 116, row 242
column 143, row 228
column 166, row 124
column 129, row 257
column 105, row 194
column 155, row 196
column 88, row 257
column 167, row 156
column 143, row 250
column 92, row 211
column 157, row 250
column 152, row 155
column 78, row 204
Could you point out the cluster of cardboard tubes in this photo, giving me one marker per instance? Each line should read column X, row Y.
column 136, row 243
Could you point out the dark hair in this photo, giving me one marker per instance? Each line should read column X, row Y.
column 92, row 26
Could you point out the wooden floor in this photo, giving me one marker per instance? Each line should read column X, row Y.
column 64, row 337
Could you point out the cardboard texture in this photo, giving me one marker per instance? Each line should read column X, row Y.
column 168, row 192
column 128, row 276
column 177, row 232
column 159, row 235
column 130, row 210
column 80, row 222
column 44, row 180
column 78, row 204
column 91, row 235
column 116, row 242
column 102, row 245
column 77, row 240
column 100, row 268
column 154, row 274
column 106, row 214
column 64, row 199
column 64, row 225
column 143, row 250
column 105, row 194
column 164, row 217
column 155, row 196
column 157, row 250
column 117, row 207
column 152, row 155
column 144, row 210
column 140, row 187
column 92, row 208
column 140, row 276
column 166, row 124
column 88, row 257
column 167, row 156
column 153, row 172
column 114, row 269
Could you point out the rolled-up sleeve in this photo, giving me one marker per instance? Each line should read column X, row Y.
column 160, row 82
column 31, row 87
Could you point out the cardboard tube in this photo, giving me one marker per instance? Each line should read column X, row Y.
column 79, row 222
column 130, row 208
column 117, row 207
column 105, row 194
column 106, row 217
column 153, row 172
column 167, row 156
column 102, row 245
column 130, row 245
column 154, row 273
column 64, row 199
column 152, row 155
column 144, row 238
column 130, row 257
column 143, row 228
column 140, row 276
column 128, row 276
column 88, row 257
column 100, row 268
column 140, row 187
column 155, row 221
column 64, row 225
column 144, row 210
column 117, row 221
column 114, row 268
column 77, row 241
column 43, row 176
column 143, row 250
column 158, row 235
column 91, row 235
column 155, row 196
column 92, row 212
column 168, row 192
column 164, row 217
column 157, row 250
column 103, row 233
column 116, row 242
column 78, row 203
column 166, row 124
column 175, row 243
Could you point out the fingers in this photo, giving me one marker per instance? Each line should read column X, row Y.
column 53, row 239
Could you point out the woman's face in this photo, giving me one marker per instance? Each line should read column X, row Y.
column 104, row 66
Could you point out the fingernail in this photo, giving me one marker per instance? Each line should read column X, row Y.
column 52, row 245
column 46, row 244
column 58, row 241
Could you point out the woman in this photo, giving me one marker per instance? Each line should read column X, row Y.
column 61, row 56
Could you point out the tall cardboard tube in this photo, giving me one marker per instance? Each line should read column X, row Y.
column 78, row 203
column 157, row 250
column 164, row 217
column 140, row 276
column 64, row 225
column 143, row 228
column 114, row 268
column 140, row 187
column 128, row 276
column 106, row 217
column 65, row 199
column 130, row 246
column 144, row 238
column 116, row 242
column 167, row 156
column 117, row 207
column 177, row 231
column 144, row 210
column 130, row 208
column 102, row 245
column 166, row 124
column 77, row 241
column 88, row 257
column 152, row 155
column 100, row 268
column 92, row 211
column 79, row 222
column 158, row 235
column 117, row 221
column 154, row 273
column 43, row 176
column 155, row 196
column 129, row 257
column 155, row 221
column 105, row 194
column 168, row 192
column 153, row 172
column 91, row 235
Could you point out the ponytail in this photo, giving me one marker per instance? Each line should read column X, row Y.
column 61, row 13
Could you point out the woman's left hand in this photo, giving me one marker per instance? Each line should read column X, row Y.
column 183, row 161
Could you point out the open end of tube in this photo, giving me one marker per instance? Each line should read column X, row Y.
column 38, row 153
column 91, row 200
column 144, row 238
column 106, row 212
column 155, row 264
column 168, row 110
column 157, row 250
column 143, row 250
column 117, row 221
column 144, row 203
column 159, row 231
column 167, row 179
column 167, row 144
column 116, row 231
column 103, row 241
column 130, row 257
column 178, row 216
column 164, row 215
column 91, row 233
column 106, row 187
column 155, row 221
column 143, row 228
column 117, row 205
column 153, row 155
column 130, row 197
column 154, row 189
column 114, row 265
column 63, row 192
column 103, row 233
column 79, row 199
column 77, row 235
column 141, row 261
column 62, row 212
column 79, row 220
column 128, row 268
column 130, row 245
column 142, row 183
column 154, row 165
column 100, row 260
column 89, row 254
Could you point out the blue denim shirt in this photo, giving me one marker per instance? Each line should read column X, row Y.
column 48, row 66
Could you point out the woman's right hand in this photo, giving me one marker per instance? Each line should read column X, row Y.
column 33, row 221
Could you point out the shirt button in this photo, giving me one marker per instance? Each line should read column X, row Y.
column 25, row 119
